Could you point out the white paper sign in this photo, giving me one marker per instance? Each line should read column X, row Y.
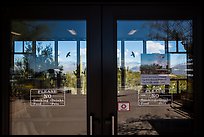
column 47, row 97
column 155, row 79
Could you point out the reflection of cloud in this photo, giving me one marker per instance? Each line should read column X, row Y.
column 170, row 45
column 176, row 59
column 136, row 53
column 68, row 66
column 118, row 53
column 154, row 47
column 60, row 59
column 126, row 52
column 83, row 51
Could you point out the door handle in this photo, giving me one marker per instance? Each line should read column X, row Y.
column 113, row 125
column 91, row 125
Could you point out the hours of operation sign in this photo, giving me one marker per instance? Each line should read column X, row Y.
column 156, row 79
column 47, row 97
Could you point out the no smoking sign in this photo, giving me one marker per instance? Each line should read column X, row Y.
column 123, row 106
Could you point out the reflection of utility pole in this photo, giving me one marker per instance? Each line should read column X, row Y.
column 144, row 87
column 56, row 53
column 59, row 79
column 122, row 65
column 78, row 69
column 168, row 63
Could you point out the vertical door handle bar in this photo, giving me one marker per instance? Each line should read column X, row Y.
column 113, row 125
column 91, row 125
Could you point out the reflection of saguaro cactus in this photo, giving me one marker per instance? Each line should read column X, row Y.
column 78, row 73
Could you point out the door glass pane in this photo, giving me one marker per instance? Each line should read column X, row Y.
column 48, row 78
column 155, row 77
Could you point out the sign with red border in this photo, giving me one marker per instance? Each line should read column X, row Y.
column 123, row 106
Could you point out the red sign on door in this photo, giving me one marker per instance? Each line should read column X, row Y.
column 123, row 106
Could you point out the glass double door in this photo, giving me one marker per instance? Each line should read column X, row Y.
column 100, row 70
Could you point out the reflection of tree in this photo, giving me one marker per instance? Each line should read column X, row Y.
column 70, row 80
column 181, row 30
column 32, row 70
column 173, row 30
column 44, row 58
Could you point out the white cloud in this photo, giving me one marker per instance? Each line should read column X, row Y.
column 126, row 52
column 155, row 47
column 170, row 45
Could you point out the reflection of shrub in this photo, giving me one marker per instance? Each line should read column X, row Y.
column 71, row 80
column 132, row 78
column 32, row 71
column 21, row 91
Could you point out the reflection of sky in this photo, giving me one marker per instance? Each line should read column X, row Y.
column 130, row 46
column 135, row 47
column 155, row 47
column 124, row 26
column 60, row 29
column 152, row 47
column 18, row 46
column 143, row 29
column 181, row 47
column 176, row 59
column 172, row 46
column 69, row 63
column 57, row 31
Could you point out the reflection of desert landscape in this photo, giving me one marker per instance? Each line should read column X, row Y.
column 154, row 64
column 153, row 69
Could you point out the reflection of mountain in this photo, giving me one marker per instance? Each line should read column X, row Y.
column 133, row 66
column 71, row 66
column 135, row 69
column 179, row 69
